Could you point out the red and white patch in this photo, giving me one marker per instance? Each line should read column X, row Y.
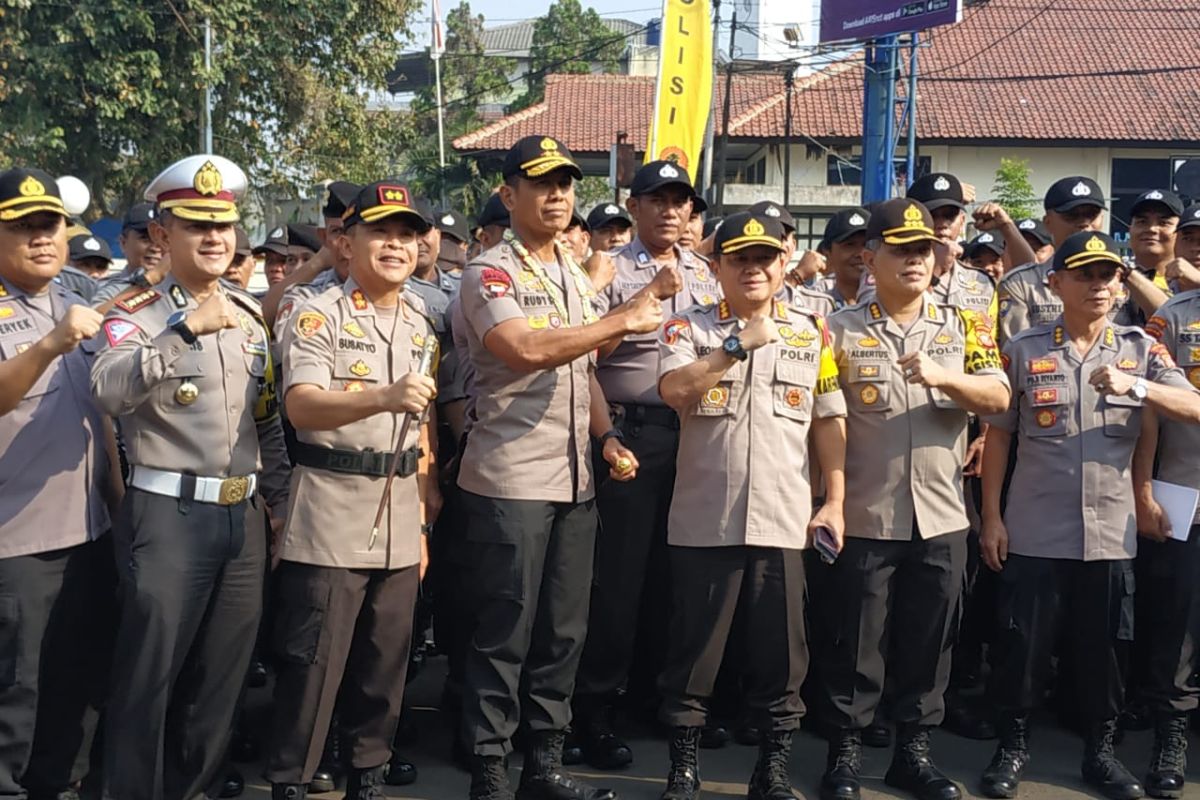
column 118, row 330
column 496, row 282
column 674, row 329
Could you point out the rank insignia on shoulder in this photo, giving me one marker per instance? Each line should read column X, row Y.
column 140, row 300
column 178, row 297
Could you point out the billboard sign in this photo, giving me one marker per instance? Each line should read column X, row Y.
column 845, row 20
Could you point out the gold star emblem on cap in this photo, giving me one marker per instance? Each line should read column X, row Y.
column 753, row 228
column 31, row 187
column 208, row 179
column 549, row 144
column 1095, row 245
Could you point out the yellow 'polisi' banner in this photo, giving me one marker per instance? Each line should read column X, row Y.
column 683, row 94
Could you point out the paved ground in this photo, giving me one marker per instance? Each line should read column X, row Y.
column 1054, row 773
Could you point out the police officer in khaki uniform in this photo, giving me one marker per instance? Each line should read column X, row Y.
column 345, row 608
column 1082, row 387
column 1169, row 562
column 846, row 235
column 143, row 257
column 750, row 378
column 526, row 476
column 56, row 574
column 911, row 370
column 631, row 554
column 186, row 369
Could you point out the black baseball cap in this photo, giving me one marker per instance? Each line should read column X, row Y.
column 938, row 190
column 381, row 200
column 657, row 174
column 242, row 247
column 746, row 229
column 305, row 236
column 770, row 208
column 89, row 246
column 1087, row 247
column 1190, row 218
column 985, row 241
column 138, row 217
column 535, row 156
column 1037, row 229
column 606, row 214
column 710, row 226
column 276, row 242
column 1073, row 192
column 493, row 213
column 25, row 191
column 452, row 224
column 699, row 204
column 846, row 223
column 901, row 221
column 1158, row 197
column 340, row 194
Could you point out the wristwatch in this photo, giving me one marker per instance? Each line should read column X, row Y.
column 178, row 323
column 732, row 346
column 612, row 433
column 1139, row 390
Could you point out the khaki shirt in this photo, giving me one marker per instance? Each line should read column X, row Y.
column 341, row 343
column 1176, row 325
column 630, row 373
column 142, row 365
column 530, row 437
column 969, row 289
column 1071, row 495
column 906, row 443
column 112, row 285
column 1027, row 301
column 742, row 475
column 52, row 456
column 806, row 299
column 294, row 297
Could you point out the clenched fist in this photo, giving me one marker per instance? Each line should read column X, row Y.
column 216, row 313
column 79, row 323
column 667, row 283
column 759, row 332
column 411, row 393
column 643, row 314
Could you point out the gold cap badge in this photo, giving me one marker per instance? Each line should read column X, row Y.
column 208, row 179
column 753, row 228
column 31, row 187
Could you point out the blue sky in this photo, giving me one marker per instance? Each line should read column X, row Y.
column 498, row 12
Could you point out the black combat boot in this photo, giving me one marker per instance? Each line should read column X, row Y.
column 771, row 780
column 683, row 781
column 1169, row 761
column 489, row 778
column 1003, row 776
column 1101, row 769
column 842, row 765
column 543, row 776
column 913, row 770
column 602, row 748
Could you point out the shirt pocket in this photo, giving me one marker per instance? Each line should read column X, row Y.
column 183, row 391
column 869, row 387
column 720, row 400
column 353, row 372
column 792, row 390
column 1046, row 410
column 1122, row 416
column 46, row 382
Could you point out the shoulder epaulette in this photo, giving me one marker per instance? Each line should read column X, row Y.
column 137, row 301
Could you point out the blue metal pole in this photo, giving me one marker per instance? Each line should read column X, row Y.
column 910, row 170
column 879, row 120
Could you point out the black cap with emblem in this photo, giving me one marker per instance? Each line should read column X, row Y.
column 535, row 156
column 1073, row 192
column 452, row 224
column 1190, row 218
column 771, row 209
column 606, row 214
column 938, row 190
column 746, row 229
column 340, row 194
column 1087, row 247
column 1162, row 199
column 984, row 241
column 305, row 236
column 846, row 223
column 138, row 217
column 88, row 246
column 1037, row 230
column 25, row 191
column 900, row 221
column 276, row 242
column 657, row 174
column 378, row 201
column 493, row 213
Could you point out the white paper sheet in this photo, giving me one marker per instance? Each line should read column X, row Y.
column 1179, row 503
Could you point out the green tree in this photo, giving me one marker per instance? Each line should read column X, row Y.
column 569, row 39
column 1013, row 189
column 111, row 90
column 469, row 78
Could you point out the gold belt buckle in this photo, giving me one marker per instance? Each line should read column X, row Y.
column 233, row 491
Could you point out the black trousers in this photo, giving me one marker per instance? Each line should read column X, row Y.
column 450, row 577
column 332, row 624
column 532, row 574
column 56, row 617
column 709, row 586
column 1089, row 604
column 631, row 561
column 895, row 608
column 1169, row 588
column 191, row 577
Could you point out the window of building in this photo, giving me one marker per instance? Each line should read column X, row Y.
column 847, row 170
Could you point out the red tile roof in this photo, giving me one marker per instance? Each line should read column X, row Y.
column 1013, row 70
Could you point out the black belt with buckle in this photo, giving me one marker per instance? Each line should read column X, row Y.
column 659, row 416
column 356, row 462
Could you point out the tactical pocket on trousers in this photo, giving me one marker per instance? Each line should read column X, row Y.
column 1125, row 603
column 300, row 620
column 9, row 628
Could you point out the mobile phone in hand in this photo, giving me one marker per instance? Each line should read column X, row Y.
column 826, row 544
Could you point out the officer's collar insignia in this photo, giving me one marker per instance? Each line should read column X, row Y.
column 208, row 179
column 1110, row 338
column 875, row 311
column 781, row 310
column 931, row 310
column 31, row 187
column 177, row 296
column 1081, row 189
column 723, row 312
column 359, row 300
column 1059, row 335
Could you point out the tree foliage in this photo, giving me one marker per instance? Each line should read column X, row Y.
column 569, row 39
column 111, row 90
column 1013, row 189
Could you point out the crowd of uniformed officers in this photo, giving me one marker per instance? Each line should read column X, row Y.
column 653, row 464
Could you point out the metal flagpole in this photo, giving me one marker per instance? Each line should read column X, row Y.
column 435, row 53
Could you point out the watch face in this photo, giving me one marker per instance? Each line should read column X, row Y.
column 175, row 318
